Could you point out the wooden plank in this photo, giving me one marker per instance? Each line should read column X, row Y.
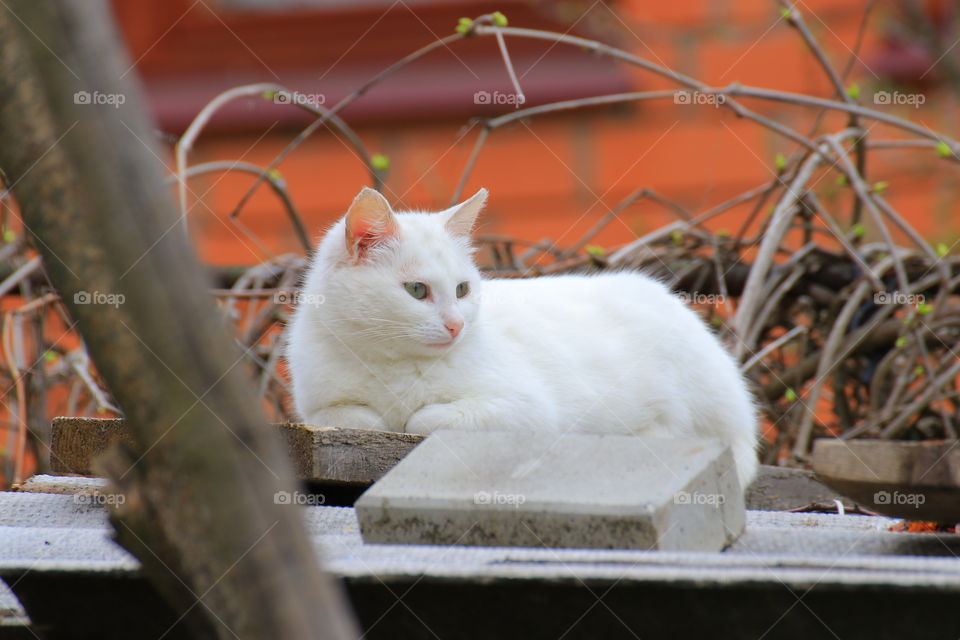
column 913, row 480
column 74, row 442
column 319, row 454
column 339, row 454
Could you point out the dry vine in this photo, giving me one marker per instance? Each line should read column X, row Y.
column 839, row 336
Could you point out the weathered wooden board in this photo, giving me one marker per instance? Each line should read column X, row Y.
column 914, row 480
column 74, row 442
column 319, row 454
column 337, row 454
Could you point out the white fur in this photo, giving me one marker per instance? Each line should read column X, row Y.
column 607, row 353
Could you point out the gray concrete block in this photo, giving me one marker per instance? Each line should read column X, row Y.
column 21, row 509
column 574, row 490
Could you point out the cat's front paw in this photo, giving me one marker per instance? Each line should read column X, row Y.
column 351, row 416
column 435, row 416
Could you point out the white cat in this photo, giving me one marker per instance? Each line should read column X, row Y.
column 397, row 330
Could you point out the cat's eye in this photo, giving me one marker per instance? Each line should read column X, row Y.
column 418, row 290
column 463, row 289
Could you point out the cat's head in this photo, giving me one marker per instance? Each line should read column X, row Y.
column 402, row 283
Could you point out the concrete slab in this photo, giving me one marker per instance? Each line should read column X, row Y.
column 576, row 490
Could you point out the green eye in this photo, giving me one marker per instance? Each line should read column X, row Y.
column 417, row 289
column 463, row 289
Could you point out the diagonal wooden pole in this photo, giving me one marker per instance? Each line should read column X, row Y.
column 76, row 149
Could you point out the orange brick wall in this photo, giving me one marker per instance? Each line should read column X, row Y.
column 554, row 176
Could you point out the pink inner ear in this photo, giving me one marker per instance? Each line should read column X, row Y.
column 365, row 236
column 364, row 233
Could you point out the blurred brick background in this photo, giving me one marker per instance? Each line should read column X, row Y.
column 550, row 177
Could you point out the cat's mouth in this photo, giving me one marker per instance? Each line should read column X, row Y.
column 441, row 345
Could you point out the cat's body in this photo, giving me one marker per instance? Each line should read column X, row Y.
column 609, row 353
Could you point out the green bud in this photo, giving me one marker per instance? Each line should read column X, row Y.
column 780, row 161
column 499, row 19
column 595, row 250
column 380, row 162
column 944, row 150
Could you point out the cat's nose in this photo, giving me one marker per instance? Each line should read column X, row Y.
column 454, row 327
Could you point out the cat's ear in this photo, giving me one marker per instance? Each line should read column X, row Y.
column 369, row 222
column 461, row 218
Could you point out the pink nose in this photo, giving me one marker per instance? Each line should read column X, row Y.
column 454, row 327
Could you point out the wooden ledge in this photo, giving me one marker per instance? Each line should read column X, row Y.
column 319, row 454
